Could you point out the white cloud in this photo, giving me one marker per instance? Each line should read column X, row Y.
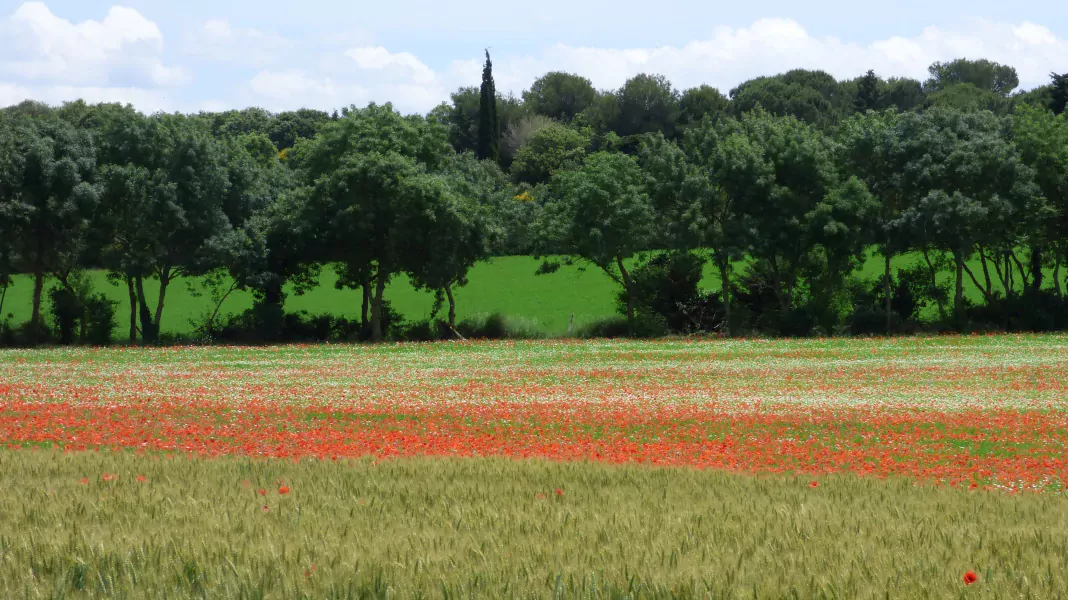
column 728, row 57
column 769, row 46
column 124, row 50
column 402, row 65
column 287, row 90
column 120, row 58
column 219, row 41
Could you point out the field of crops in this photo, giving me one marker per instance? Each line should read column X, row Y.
column 834, row 468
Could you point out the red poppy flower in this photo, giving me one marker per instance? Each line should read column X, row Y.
column 539, row 495
column 970, row 577
column 559, row 493
column 265, row 509
column 109, row 477
column 283, row 490
column 261, row 492
column 141, row 479
column 814, row 484
column 84, row 481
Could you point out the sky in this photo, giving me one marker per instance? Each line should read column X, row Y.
column 193, row 55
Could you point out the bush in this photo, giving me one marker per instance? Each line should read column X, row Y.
column 611, row 327
column 1038, row 311
column 667, row 290
column 100, row 320
column 496, row 326
column 87, row 318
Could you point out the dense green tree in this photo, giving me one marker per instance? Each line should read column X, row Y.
column 287, row 127
column 559, row 96
column 983, row 74
column 49, row 198
column 868, row 151
column 970, row 192
column 868, row 93
column 697, row 103
column 1059, row 93
column 233, row 123
column 807, row 95
column 1042, row 140
column 602, row 114
column 737, row 176
column 375, row 184
column 464, row 119
column 602, row 214
column 31, row 109
column 166, row 202
column 647, row 103
column 489, row 125
column 968, row 97
column 807, row 225
column 903, row 94
column 463, row 230
column 550, row 149
column 1041, row 97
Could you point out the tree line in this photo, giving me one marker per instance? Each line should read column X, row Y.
column 785, row 186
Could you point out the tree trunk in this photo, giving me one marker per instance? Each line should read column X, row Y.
column 986, row 273
column 82, row 329
column 725, row 283
column 452, row 306
column 1010, row 286
column 3, row 295
column 934, row 285
column 38, row 288
column 366, row 303
column 776, row 284
column 631, row 317
column 164, row 281
column 888, row 293
column 376, row 307
column 987, row 295
column 218, row 308
column 1057, row 276
column 148, row 330
column 958, row 294
column 133, row 309
column 1025, row 272
column 1036, row 269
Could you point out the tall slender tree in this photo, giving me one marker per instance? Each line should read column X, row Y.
column 489, row 126
column 867, row 93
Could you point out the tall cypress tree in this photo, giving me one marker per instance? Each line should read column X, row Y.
column 867, row 93
column 489, row 126
column 1060, row 92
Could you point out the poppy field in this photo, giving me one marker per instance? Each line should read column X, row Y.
column 673, row 468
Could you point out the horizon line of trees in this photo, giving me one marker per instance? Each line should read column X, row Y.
column 785, row 186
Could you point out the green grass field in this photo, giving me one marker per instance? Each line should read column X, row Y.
column 506, row 285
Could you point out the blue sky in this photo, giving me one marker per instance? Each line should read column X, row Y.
column 209, row 55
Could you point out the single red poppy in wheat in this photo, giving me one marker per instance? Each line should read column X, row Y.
column 261, row 492
column 141, row 479
column 559, row 493
column 283, row 490
column 814, row 484
column 970, row 577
